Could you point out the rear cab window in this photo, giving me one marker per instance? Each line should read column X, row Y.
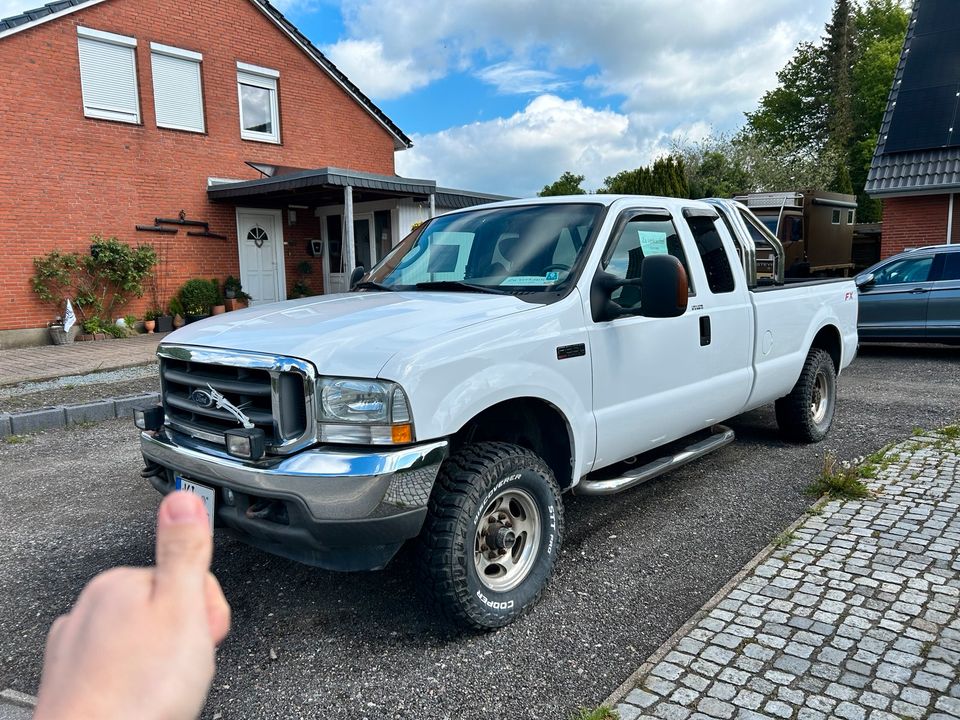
column 716, row 263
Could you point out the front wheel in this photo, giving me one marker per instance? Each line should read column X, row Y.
column 492, row 535
column 806, row 414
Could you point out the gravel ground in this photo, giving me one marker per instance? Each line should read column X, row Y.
column 74, row 389
column 634, row 567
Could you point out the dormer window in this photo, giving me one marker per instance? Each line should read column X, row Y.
column 259, row 110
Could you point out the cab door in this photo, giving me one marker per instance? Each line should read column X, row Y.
column 658, row 379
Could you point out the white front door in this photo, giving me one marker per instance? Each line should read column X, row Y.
column 364, row 251
column 260, row 237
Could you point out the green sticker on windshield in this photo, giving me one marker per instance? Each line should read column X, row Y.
column 653, row 243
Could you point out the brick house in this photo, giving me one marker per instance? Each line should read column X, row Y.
column 916, row 167
column 214, row 131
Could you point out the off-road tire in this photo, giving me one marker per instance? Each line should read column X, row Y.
column 795, row 412
column 468, row 482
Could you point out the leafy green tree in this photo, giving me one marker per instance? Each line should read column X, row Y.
column 666, row 177
column 567, row 184
column 831, row 96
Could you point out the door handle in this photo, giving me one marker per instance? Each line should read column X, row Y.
column 918, row 291
column 704, row 330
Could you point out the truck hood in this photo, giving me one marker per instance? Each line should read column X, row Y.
column 352, row 334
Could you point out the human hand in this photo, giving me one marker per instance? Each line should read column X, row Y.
column 140, row 642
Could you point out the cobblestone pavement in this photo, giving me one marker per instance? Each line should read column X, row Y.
column 78, row 358
column 855, row 617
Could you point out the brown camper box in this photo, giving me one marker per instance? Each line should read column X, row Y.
column 815, row 227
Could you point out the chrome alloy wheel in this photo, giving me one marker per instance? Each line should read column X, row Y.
column 507, row 540
column 819, row 398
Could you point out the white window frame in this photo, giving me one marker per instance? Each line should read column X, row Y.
column 180, row 54
column 851, row 216
column 265, row 78
column 835, row 216
column 122, row 41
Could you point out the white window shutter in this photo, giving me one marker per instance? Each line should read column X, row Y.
column 108, row 78
column 177, row 93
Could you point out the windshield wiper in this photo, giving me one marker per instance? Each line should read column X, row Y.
column 371, row 285
column 457, row 286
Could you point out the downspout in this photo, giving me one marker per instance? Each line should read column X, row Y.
column 433, row 205
column 950, row 221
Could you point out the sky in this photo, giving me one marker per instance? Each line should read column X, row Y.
column 502, row 96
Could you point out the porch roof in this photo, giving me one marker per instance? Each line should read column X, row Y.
column 324, row 186
column 318, row 187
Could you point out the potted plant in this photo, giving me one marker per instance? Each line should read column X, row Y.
column 150, row 320
column 198, row 297
column 236, row 298
column 174, row 316
column 218, row 306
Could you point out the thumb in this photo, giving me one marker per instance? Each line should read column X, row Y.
column 184, row 547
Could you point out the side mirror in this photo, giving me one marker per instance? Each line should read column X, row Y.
column 358, row 272
column 663, row 290
column 864, row 280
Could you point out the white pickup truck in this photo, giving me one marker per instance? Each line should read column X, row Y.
column 499, row 357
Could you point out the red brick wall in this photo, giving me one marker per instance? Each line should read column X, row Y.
column 64, row 177
column 910, row 222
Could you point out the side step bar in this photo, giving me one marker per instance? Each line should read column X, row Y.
column 722, row 436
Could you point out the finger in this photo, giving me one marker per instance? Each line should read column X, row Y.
column 184, row 547
column 218, row 610
column 56, row 631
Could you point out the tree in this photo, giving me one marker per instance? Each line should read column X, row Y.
column 567, row 184
column 666, row 177
column 830, row 97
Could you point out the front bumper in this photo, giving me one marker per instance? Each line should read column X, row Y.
column 332, row 507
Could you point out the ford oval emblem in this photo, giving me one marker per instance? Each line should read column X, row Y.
column 201, row 398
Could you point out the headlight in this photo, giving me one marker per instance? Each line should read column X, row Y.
column 363, row 412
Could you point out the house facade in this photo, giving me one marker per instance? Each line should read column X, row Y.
column 213, row 131
column 916, row 167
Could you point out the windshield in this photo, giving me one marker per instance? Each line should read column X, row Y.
column 507, row 249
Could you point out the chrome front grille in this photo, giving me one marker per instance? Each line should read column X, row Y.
column 276, row 393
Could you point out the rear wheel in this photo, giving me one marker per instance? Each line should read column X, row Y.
column 492, row 535
column 806, row 414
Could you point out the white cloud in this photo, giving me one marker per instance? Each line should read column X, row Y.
column 512, row 78
column 377, row 75
column 519, row 154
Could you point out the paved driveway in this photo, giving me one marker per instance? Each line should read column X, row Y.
column 633, row 569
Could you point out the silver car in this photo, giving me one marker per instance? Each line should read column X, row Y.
column 912, row 297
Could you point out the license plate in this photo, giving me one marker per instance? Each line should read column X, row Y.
column 206, row 494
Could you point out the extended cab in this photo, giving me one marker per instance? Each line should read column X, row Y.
column 499, row 357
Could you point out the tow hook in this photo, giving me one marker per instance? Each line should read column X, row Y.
column 270, row 510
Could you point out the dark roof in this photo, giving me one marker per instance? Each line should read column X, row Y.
column 450, row 199
column 917, row 170
column 39, row 13
column 321, row 182
column 402, row 141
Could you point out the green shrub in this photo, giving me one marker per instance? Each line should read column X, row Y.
column 99, row 283
column 198, row 296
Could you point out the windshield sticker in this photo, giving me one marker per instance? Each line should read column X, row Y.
column 548, row 279
column 653, row 243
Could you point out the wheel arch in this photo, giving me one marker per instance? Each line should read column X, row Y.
column 828, row 339
column 530, row 422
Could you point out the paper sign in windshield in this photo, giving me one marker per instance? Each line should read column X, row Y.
column 653, row 243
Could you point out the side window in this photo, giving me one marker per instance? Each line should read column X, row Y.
column 714, row 257
column 951, row 266
column 908, row 270
column 835, row 218
column 642, row 236
column 851, row 215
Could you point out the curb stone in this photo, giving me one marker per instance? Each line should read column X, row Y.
column 53, row 418
column 14, row 697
